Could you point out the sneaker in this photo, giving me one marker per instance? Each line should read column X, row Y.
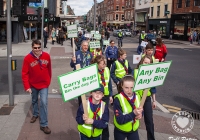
column 33, row 119
column 45, row 129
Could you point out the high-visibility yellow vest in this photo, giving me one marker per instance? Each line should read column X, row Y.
column 96, row 53
column 106, row 77
column 127, row 108
column 120, row 34
column 153, row 58
column 87, row 129
column 143, row 36
column 139, row 92
column 120, row 71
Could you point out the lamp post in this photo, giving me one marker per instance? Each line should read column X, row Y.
column 94, row 15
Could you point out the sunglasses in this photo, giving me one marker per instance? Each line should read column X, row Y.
column 35, row 48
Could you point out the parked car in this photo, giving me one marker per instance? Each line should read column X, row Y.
column 127, row 32
column 151, row 38
column 115, row 33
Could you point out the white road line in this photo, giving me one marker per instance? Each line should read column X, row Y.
column 186, row 49
column 162, row 108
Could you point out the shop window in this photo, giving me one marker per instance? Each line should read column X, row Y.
column 151, row 11
column 187, row 3
column 158, row 11
column 179, row 27
column 179, row 4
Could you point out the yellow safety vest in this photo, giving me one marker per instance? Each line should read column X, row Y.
column 96, row 53
column 143, row 36
column 87, row 129
column 127, row 108
column 120, row 71
column 120, row 34
column 106, row 77
column 139, row 92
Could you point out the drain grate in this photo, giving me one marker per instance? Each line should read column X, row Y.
column 6, row 110
column 195, row 115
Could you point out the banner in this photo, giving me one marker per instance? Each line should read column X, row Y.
column 106, row 42
column 151, row 75
column 97, row 36
column 95, row 44
column 76, row 83
column 72, row 31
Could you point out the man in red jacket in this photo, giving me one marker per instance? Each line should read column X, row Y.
column 36, row 77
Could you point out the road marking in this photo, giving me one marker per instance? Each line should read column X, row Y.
column 172, row 107
column 162, row 108
column 173, row 110
column 186, row 49
column 54, row 91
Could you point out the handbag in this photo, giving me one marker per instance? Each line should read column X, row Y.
column 54, row 38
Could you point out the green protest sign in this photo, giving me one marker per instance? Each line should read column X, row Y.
column 97, row 36
column 72, row 31
column 92, row 32
column 76, row 83
column 151, row 75
column 105, row 42
column 95, row 44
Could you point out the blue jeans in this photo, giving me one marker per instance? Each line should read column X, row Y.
column 83, row 137
column 43, row 105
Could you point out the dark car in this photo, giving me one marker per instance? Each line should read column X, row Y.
column 151, row 38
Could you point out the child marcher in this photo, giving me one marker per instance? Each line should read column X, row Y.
column 91, row 127
column 127, row 111
column 148, row 105
column 105, row 80
column 120, row 68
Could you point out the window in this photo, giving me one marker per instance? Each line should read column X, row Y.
column 122, row 7
column 196, row 3
column 133, row 3
column 117, row 17
column 117, row 8
column 187, row 3
column 152, row 0
column 122, row 17
column 151, row 11
column 166, row 7
column 158, row 11
column 179, row 4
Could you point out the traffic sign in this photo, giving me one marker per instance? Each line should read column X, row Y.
column 167, row 12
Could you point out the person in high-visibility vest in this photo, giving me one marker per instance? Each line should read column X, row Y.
column 149, row 51
column 148, row 105
column 127, row 112
column 120, row 68
column 105, row 80
column 91, row 126
column 142, row 37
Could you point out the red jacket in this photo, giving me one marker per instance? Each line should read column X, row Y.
column 36, row 72
column 160, row 52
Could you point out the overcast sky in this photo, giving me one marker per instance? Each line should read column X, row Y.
column 81, row 7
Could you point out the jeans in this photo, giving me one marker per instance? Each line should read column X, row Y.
column 139, row 49
column 45, row 42
column 83, row 137
column 148, row 118
column 119, row 42
column 119, row 135
column 43, row 105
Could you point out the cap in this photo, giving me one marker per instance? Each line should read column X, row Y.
column 101, row 88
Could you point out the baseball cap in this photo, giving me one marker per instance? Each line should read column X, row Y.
column 101, row 88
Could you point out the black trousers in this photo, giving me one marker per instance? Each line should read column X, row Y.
column 45, row 42
column 110, row 62
column 79, row 100
column 119, row 135
column 148, row 119
column 105, row 134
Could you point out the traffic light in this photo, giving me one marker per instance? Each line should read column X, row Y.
column 46, row 15
column 39, row 14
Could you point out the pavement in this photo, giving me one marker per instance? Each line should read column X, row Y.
column 61, row 115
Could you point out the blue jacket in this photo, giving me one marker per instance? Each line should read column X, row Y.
column 112, row 52
column 100, row 124
column 79, row 59
column 112, row 72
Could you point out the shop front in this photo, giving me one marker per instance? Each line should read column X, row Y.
column 182, row 25
column 161, row 26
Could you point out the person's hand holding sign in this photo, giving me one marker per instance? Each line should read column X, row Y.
column 85, row 117
column 74, row 59
column 138, row 111
column 89, row 121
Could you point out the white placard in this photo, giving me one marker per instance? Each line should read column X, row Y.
column 95, row 44
column 88, row 35
column 72, row 31
column 97, row 36
column 106, row 42
column 136, row 59
column 143, row 44
column 74, row 84
column 151, row 75
column 79, row 28
column 97, row 32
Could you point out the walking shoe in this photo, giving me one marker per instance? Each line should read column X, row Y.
column 45, row 129
column 33, row 119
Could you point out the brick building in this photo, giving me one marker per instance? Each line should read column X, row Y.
column 185, row 18
column 129, row 13
column 115, row 13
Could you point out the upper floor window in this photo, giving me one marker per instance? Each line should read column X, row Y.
column 122, row 17
column 151, row 11
column 187, row 3
column 166, row 9
column 117, row 8
column 158, row 11
column 117, row 17
column 179, row 4
column 196, row 3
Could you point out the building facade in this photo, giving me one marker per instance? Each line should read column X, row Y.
column 159, row 17
column 115, row 14
column 129, row 6
column 141, row 15
column 185, row 18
